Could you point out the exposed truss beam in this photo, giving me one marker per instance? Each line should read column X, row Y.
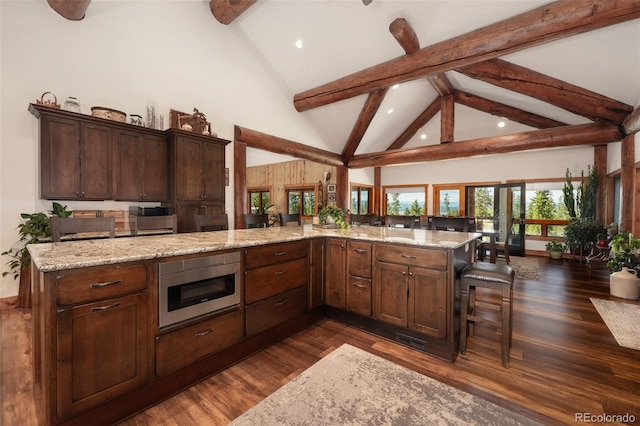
column 420, row 121
column 369, row 111
column 631, row 124
column 584, row 134
column 541, row 25
column 225, row 11
column 73, row 10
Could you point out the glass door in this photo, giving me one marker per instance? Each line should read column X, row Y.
column 500, row 208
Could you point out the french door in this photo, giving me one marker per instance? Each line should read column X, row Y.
column 498, row 208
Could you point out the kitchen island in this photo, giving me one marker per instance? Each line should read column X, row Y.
column 100, row 353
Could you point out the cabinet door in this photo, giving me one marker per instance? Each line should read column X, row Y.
column 213, row 171
column 101, row 352
column 188, row 169
column 60, row 158
column 359, row 259
column 155, row 166
column 336, row 273
column 316, row 280
column 95, row 162
column 128, row 166
column 391, row 293
column 186, row 212
column 428, row 301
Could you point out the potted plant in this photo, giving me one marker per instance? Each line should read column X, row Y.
column 334, row 214
column 556, row 249
column 624, row 265
column 35, row 229
column 580, row 235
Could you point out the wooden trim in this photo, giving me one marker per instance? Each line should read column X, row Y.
column 240, row 203
column 627, row 179
column 447, row 119
column 600, row 166
column 377, row 192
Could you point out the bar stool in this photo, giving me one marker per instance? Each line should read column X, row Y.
column 492, row 276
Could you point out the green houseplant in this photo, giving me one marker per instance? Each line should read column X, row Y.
column 581, row 234
column 338, row 215
column 35, row 228
column 624, row 265
column 556, row 249
column 582, row 231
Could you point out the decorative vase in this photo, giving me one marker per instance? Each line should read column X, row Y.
column 71, row 104
column 624, row 284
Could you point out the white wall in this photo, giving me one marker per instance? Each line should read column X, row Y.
column 122, row 55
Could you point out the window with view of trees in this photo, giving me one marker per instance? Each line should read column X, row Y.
column 301, row 200
column 360, row 196
column 546, row 214
column 449, row 200
column 259, row 200
column 405, row 200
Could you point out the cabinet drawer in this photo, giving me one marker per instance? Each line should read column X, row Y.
column 271, row 280
column 275, row 310
column 182, row 347
column 275, row 253
column 81, row 286
column 359, row 296
column 359, row 259
column 412, row 256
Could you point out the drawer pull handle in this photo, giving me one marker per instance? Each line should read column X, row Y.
column 281, row 272
column 204, row 333
column 406, row 256
column 104, row 308
column 359, row 250
column 360, row 286
column 280, row 253
column 100, row 285
column 281, row 303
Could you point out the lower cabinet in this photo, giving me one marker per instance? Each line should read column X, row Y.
column 274, row 310
column 183, row 346
column 336, row 273
column 101, row 351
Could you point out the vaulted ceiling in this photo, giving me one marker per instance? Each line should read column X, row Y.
column 396, row 81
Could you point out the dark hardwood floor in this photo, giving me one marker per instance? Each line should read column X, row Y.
column 564, row 361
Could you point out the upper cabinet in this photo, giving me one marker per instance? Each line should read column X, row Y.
column 75, row 159
column 142, row 162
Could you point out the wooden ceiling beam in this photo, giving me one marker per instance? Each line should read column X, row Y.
column 556, row 92
column 369, row 111
column 73, row 10
column 404, row 35
column 441, row 84
column 506, row 111
column 225, row 11
column 541, row 25
column 264, row 141
column 420, row 121
column 631, row 124
column 583, row 134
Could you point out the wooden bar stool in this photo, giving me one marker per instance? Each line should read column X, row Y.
column 496, row 277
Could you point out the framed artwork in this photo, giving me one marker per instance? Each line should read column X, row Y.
column 332, row 197
column 331, row 187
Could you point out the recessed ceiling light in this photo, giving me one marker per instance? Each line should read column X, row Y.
column 299, row 44
column 501, row 124
column 423, row 136
column 390, row 110
column 395, row 86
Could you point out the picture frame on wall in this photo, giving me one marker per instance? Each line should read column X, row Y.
column 331, row 197
column 331, row 187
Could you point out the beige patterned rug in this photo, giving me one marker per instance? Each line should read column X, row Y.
column 351, row 386
column 623, row 320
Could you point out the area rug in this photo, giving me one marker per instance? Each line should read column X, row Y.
column 622, row 319
column 526, row 268
column 353, row 387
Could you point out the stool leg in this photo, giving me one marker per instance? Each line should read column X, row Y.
column 472, row 309
column 464, row 306
column 506, row 325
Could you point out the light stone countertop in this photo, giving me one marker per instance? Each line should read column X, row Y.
column 49, row 257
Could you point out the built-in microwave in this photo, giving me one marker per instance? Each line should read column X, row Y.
column 193, row 287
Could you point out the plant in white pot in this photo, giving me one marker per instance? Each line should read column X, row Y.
column 556, row 249
column 333, row 214
column 625, row 266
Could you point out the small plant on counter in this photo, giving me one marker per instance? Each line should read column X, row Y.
column 338, row 215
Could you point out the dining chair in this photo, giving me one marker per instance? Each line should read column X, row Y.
column 288, row 219
column 73, row 225
column 362, row 219
column 399, row 221
column 256, row 220
column 212, row 222
column 502, row 247
column 167, row 223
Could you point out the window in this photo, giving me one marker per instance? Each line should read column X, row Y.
column 410, row 200
column 301, row 200
column 545, row 212
column 360, row 198
column 449, row 200
column 259, row 200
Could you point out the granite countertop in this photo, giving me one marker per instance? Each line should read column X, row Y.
column 49, row 257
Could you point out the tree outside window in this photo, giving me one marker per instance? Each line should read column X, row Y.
column 301, row 200
column 259, row 200
column 405, row 201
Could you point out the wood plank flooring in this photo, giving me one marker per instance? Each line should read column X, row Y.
column 564, row 361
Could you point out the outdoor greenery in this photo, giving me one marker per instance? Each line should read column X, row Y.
column 393, row 208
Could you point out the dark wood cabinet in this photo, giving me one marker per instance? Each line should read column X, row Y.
column 316, row 270
column 410, row 289
column 336, row 273
column 359, row 280
column 196, row 176
column 75, row 158
column 141, row 167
